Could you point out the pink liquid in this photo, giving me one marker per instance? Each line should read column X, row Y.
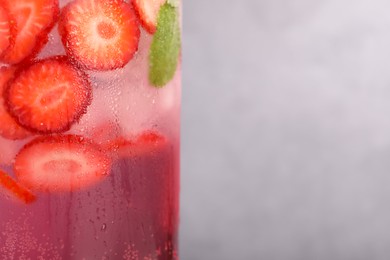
column 130, row 214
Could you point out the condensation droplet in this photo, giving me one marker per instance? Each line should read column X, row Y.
column 104, row 227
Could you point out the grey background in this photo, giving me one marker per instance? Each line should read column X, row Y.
column 286, row 130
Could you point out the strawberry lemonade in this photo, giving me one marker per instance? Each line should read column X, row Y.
column 89, row 129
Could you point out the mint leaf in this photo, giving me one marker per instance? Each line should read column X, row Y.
column 165, row 48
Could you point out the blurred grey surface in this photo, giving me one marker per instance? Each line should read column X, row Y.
column 286, row 130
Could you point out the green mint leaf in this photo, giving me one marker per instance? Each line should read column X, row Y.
column 165, row 48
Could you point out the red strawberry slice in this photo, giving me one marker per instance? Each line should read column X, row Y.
column 12, row 186
column 144, row 144
column 8, row 127
column 100, row 34
column 147, row 11
column 61, row 163
column 33, row 19
column 5, row 30
column 48, row 96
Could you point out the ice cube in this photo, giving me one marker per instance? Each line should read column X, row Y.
column 98, row 113
column 9, row 149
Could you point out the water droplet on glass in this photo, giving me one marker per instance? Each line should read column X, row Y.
column 103, row 228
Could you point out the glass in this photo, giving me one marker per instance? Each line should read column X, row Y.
column 89, row 129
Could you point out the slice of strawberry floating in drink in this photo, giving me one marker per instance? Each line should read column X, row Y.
column 61, row 163
column 15, row 188
column 144, row 144
column 5, row 29
column 8, row 127
column 48, row 96
column 99, row 34
column 147, row 11
column 33, row 20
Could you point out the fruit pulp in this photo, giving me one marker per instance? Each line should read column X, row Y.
column 129, row 211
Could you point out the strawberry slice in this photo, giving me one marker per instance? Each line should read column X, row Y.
column 61, row 163
column 20, row 192
column 5, row 30
column 8, row 127
column 48, row 96
column 144, row 144
column 100, row 34
column 147, row 11
column 33, row 19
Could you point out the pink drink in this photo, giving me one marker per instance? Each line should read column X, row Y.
column 89, row 130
